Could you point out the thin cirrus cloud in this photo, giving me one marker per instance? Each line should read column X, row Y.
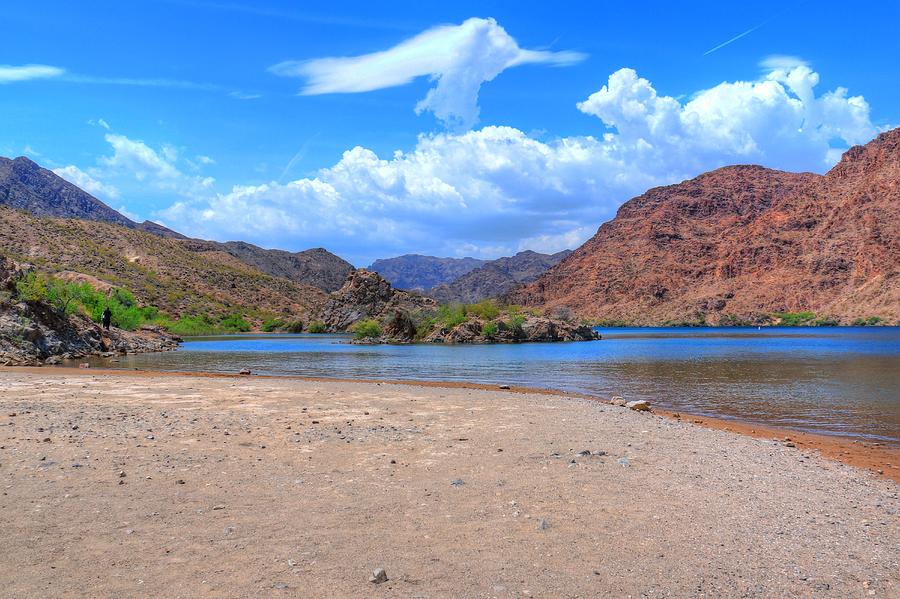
column 458, row 58
column 28, row 72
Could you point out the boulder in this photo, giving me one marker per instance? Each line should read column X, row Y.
column 639, row 405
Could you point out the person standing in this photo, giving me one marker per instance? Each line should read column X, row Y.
column 107, row 318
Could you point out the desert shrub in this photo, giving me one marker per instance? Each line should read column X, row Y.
column 515, row 323
column 794, row 319
column 317, row 327
column 486, row 309
column 33, row 287
column 193, row 326
column 451, row 315
column 272, row 324
column 366, row 329
column 825, row 321
column 871, row 321
column 489, row 329
column 235, row 323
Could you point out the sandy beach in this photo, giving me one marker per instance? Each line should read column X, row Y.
column 186, row 486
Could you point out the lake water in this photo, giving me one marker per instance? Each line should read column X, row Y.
column 842, row 381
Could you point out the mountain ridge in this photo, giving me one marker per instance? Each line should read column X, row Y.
column 740, row 243
column 25, row 185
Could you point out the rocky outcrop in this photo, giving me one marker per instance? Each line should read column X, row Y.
column 505, row 330
column 367, row 294
column 496, row 277
column 35, row 333
column 740, row 243
column 416, row 272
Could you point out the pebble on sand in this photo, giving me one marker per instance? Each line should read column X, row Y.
column 379, row 576
column 639, row 405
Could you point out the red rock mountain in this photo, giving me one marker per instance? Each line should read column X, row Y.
column 742, row 242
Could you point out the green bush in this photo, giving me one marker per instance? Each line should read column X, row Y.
column 33, row 287
column 794, row 319
column 871, row 321
column 235, row 323
column 451, row 315
column 272, row 324
column 486, row 310
column 489, row 329
column 515, row 323
column 316, row 327
column 366, row 329
column 193, row 326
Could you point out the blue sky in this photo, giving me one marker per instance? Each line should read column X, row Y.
column 453, row 129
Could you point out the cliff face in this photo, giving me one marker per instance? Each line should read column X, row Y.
column 741, row 242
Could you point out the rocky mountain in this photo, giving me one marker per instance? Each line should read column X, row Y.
column 24, row 185
column 743, row 242
column 317, row 267
column 179, row 276
column 496, row 277
column 416, row 272
column 367, row 294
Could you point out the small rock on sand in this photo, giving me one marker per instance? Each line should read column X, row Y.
column 503, row 387
column 457, row 482
column 617, row 401
column 379, row 576
column 543, row 524
column 639, row 405
column 244, row 372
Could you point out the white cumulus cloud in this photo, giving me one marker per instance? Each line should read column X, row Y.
column 78, row 177
column 497, row 190
column 458, row 58
column 13, row 74
column 135, row 159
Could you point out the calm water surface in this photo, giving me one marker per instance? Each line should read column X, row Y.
column 837, row 381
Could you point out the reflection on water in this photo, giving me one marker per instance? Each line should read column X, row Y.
column 837, row 381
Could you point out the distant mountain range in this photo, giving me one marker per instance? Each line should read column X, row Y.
column 418, row 273
column 465, row 280
column 495, row 277
column 742, row 242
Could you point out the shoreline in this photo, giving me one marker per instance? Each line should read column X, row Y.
column 880, row 459
column 129, row 483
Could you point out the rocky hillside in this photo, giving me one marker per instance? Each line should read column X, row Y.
column 743, row 242
column 181, row 277
column 415, row 272
column 496, row 277
column 317, row 267
column 366, row 294
column 35, row 333
column 25, row 185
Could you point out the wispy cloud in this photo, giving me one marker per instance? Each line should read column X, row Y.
column 13, row 74
column 243, row 96
column 141, row 82
column 459, row 58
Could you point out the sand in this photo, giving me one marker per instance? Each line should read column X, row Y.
column 181, row 486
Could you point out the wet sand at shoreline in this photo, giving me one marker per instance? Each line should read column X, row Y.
column 180, row 486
